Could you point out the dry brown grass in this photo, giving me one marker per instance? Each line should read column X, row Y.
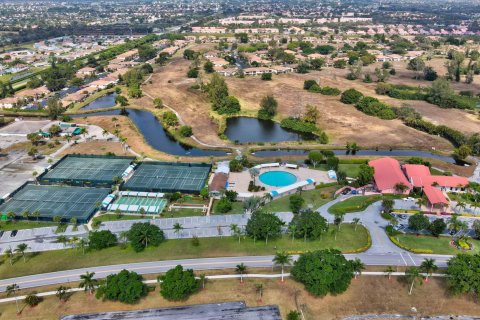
column 96, row 147
column 365, row 295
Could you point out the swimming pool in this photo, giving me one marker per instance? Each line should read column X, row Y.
column 277, row 178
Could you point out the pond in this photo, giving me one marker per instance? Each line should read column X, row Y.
column 107, row 101
column 380, row 153
column 156, row 136
column 245, row 129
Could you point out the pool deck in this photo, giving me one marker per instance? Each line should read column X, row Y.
column 238, row 181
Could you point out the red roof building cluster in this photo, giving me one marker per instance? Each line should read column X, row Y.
column 388, row 173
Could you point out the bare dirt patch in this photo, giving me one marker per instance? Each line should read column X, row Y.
column 366, row 295
column 96, row 147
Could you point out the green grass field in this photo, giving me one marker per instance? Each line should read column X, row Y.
column 351, row 169
column 20, row 225
column 440, row 245
column 357, row 203
column 347, row 240
column 312, row 197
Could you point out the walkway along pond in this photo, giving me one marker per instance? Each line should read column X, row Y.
column 155, row 135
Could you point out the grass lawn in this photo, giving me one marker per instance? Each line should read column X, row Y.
column 356, row 203
column 312, row 197
column 182, row 213
column 440, row 245
column 20, row 225
column 237, row 208
column 347, row 241
column 351, row 169
column 114, row 217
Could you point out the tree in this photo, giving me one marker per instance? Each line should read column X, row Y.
column 428, row 266
column 400, row 187
column 315, row 157
column 82, row 244
column 126, row 287
column 263, row 225
column 170, row 119
column 146, row 52
column 476, row 228
column 356, row 221
column 158, row 103
column 208, row 67
column 455, row 224
column 266, row 76
column 177, row 228
column 217, row 91
column 296, row 202
column 186, row 131
column 224, row 205
column 308, row 225
column 387, row 205
column 282, row 259
column 351, row 96
column 62, row 293
column 32, row 300
column 357, row 266
column 236, row 231
column 62, row 239
column 12, row 290
column 204, row 193
column 54, row 108
column 268, row 107
column 178, row 284
column 388, row 271
column 417, row 65
column 462, row 152
column 323, row 272
column 9, row 254
column 34, row 138
column 429, row 74
column 317, row 64
column 365, row 174
column 440, row 92
column 294, row 315
column 437, row 226
column 54, row 130
column 192, row 73
column 252, row 204
column 311, row 114
column 461, row 274
column 307, row 84
column 98, row 240
column 418, row 222
column 413, row 274
column 141, row 235
column 121, row 100
column 241, row 269
column 21, row 249
column 229, row 105
column 87, row 282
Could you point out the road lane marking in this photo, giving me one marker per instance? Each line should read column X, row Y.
column 401, row 255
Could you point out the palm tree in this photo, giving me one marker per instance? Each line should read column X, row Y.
column 400, row 187
column 282, row 259
column 11, row 215
column 36, row 214
column 267, row 197
column 88, row 282
column 236, row 231
column 144, row 237
column 9, row 255
column 251, row 204
column 461, row 205
column 177, row 227
column 421, row 202
column 253, row 173
column 12, row 290
column 74, row 221
column 456, row 224
column 241, row 269
column 412, row 274
column 357, row 266
column 389, row 270
column 21, row 248
column 73, row 241
column 292, row 228
column 428, row 266
column 26, row 214
column 203, row 279
column 62, row 293
column 259, row 289
column 123, row 236
column 356, row 221
column 62, row 239
column 82, row 243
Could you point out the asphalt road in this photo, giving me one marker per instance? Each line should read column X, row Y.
column 62, row 277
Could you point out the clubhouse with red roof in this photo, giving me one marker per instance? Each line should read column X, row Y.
column 392, row 178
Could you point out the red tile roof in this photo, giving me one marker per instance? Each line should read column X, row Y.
column 388, row 173
column 419, row 176
column 447, row 181
column 416, row 173
column 434, row 195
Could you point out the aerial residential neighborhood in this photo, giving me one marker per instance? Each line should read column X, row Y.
column 273, row 160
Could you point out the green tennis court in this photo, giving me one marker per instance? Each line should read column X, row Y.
column 169, row 177
column 134, row 204
column 50, row 201
column 86, row 170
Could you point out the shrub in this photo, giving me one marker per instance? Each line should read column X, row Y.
column 98, row 240
column 32, row 300
column 351, row 96
column 373, row 107
column 186, row 131
column 267, row 76
column 329, row 91
column 307, row 84
column 298, row 125
column 223, row 205
column 126, row 287
column 142, row 235
column 178, row 284
column 192, row 73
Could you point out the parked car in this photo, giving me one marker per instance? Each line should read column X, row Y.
column 13, row 233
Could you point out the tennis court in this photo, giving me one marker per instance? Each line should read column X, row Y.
column 86, row 170
column 151, row 203
column 169, row 177
column 50, row 201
